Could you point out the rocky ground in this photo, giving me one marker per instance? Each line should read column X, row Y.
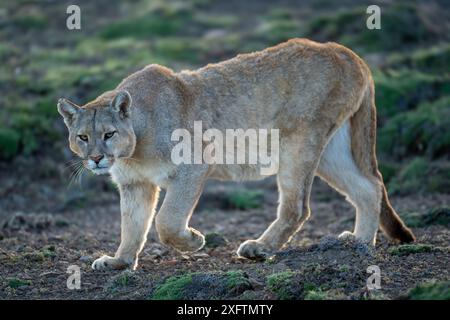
column 38, row 247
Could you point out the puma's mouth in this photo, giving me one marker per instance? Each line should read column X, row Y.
column 100, row 171
column 100, row 167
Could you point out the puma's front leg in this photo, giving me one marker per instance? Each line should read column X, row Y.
column 172, row 220
column 137, row 204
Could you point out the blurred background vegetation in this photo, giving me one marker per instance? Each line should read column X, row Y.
column 41, row 61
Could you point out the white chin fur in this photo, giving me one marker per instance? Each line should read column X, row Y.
column 99, row 171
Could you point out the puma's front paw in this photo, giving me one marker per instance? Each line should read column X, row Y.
column 347, row 235
column 253, row 249
column 110, row 263
column 190, row 240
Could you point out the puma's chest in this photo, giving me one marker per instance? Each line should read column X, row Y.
column 156, row 172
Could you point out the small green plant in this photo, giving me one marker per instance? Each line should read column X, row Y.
column 120, row 281
column 431, row 291
column 436, row 216
column 172, row 288
column 431, row 59
column 279, row 283
column 9, row 143
column 159, row 22
column 246, row 199
column 316, row 295
column 406, row 249
column 16, row 283
column 423, row 131
column 35, row 256
column 124, row 279
column 49, row 251
column 237, row 279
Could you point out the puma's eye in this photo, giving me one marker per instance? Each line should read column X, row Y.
column 109, row 134
column 83, row 137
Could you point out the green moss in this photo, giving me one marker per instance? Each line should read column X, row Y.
column 423, row 131
column 412, row 219
column 163, row 21
column 333, row 26
column 431, row 291
column 436, row 216
column 215, row 20
column 439, row 216
column 31, row 21
column 35, row 256
column 406, row 249
column 16, row 283
column 410, row 177
column 276, row 29
column 401, row 23
column 49, row 251
column 178, row 49
column 246, row 199
column 316, row 295
column 124, row 279
column 172, row 288
column 8, row 50
column 388, row 170
column 237, row 279
column 434, row 59
column 9, row 143
column 279, row 283
column 402, row 90
column 421, row 175
column 33, row 123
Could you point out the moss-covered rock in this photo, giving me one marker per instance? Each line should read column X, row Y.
column 280, row 284
column 173, row 288
column 406, row 249
column 210, row 285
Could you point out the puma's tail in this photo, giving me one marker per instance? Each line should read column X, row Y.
column 363, row 139
column 390, row 222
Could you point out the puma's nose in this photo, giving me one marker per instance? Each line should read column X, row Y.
column 96, row 159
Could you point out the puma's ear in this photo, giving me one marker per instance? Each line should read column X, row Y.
column 68, row 110
column 122, row 104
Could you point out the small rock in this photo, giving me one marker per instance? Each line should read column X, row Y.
column 214, row 240
column 86, row 259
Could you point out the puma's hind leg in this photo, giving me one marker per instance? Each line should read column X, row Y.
column 295, row 177
column 338, row 168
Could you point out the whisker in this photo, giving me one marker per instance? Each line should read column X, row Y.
column 80, row 175
column 75, row 173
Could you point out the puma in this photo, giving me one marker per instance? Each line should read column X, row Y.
column 319, row 96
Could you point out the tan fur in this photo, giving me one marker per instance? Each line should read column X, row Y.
column 320, row 97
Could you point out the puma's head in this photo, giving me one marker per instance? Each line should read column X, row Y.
column 101, row 131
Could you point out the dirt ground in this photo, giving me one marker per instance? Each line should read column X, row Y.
column 38, row 247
